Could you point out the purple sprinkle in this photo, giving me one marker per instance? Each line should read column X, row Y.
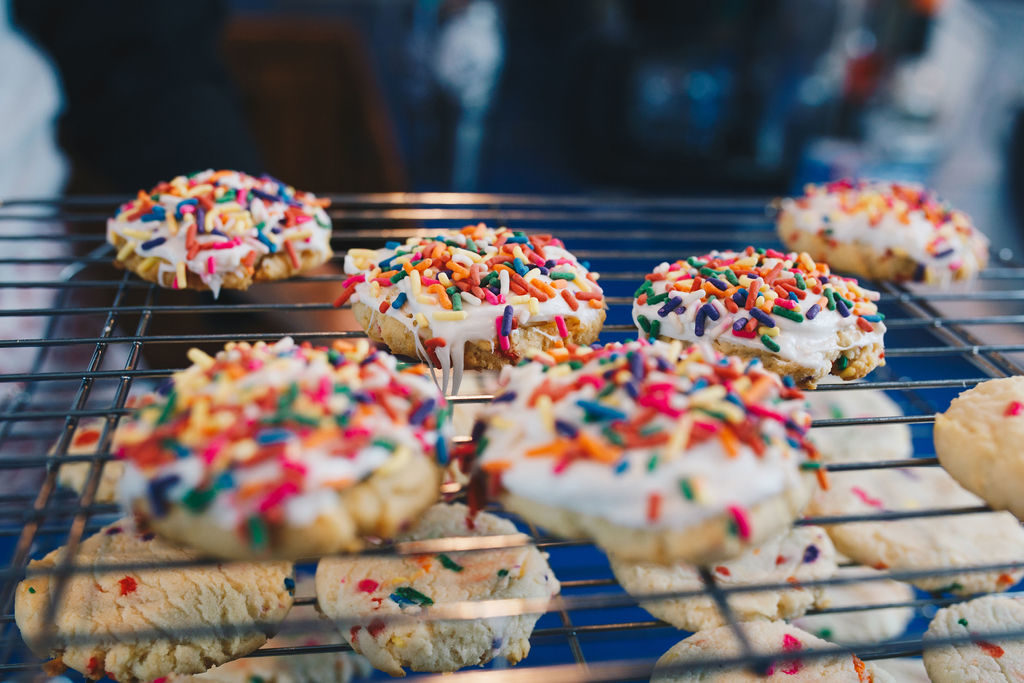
column 740, row 298
column 636, row 365
column 810, row 554
column 671, row 305
column 566, row 429
column 813, row 311
column 841, row 307
column 632, row 389
column 698, row 323
column 478, row 430
column 421, row 412
column 502, row 398
column 740, row 323
column 201, row 218
column 158, row 493
column 550, row 263
column 148, row 536
column 718, row 283
column 113, row 531
column 944, row 253
column 762, row 317
column 506, row 321
column 155, row 242
column 264, row 195
column 919, row 273
column 543, row 270
column 710, row 311
column 663, row 364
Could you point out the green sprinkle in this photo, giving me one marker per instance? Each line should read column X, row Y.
column 471, row 245
column 198, row 500
column 321, row 221
column 645, row 324
column 733, row 529
column 694, row 263
column 961, row 620
column 289, row 397
column 413, row 595
column 652, row 464
column 770, row 343
column 502, row 572
column 786, row 313
column 708, row 272
column 760, row 250
column 342, row 419
column 482, row 446
column 172, row 398
column 228, row 196
column 257, row 679
column 687, row 488
column 843, row 362
column 612, row 436
column 810, row 465
column 800, row 281
column 836, row 412
column 655, row 328
column 398, row 276
column 575, row 364
column 825, row 633
column 456, row 302
column 657, row 298
column 304, row 420
column 831, row 296
column 563, row 276
column 645, row 287
column 383, row 443
column 607, row 390
column 449, row 563
column 451, row 290
column 731, row 277
column 31, row 589
column 257, row 532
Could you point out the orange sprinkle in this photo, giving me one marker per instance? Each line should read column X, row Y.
column 495, row 466
column 442, row 296
column 557, row 447
column 728, row 440
column 822, row 475
column 292, row 255
column 597, row 450
column 570, row 299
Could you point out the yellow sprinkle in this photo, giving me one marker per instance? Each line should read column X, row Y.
column 443, row 279
column 200, row 358
column 414, row 277
column 518, row 252
column 181, row 280
column 172, row 224
column 581, row 282
column 198, row 189
column 398, row 460
column 675, row 348
column 532, row 273
column 502, row 423
column 450, row 315
column 741, row 385
column 558, row 370
column 705, row 397
column 533, row 306
column 244, row 450
column 126, row 250
column 137, row 234
column 770, row 331
column 520, row 299
column 397, row 640
column 546, row 417
column 362, row 253
column 427, row 300
column 148, row 264
column 679, row 438
column 299, row 234
column 848, row 373
column 421, row 320
column 208, row 224
column 374, row 289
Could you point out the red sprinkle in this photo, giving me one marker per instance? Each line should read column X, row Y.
column 290, row 248
column 345, row 296
column 368, row 585
column 128, row 585
column 868, row 500
column 570, row 299
column 723, row 570
column 991, row 649
column 865, row 325
column 1014, row 409
column 375, row 627
column 653, row 504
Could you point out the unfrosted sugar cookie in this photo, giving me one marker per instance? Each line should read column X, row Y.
column 658, row 454
column 883, row 231
column 904, row 669
column 764, row 637
column 792, row 313
column 978, row 440
column 800, row 554
column 921, row 543
column 297, row 667
column 887, row 441
column 862, row 625
column 75, row 475
column 473, row 298
column 361, row 593
column 107, row 607
column 984, row 658
column 286, row 450
column 220, row 229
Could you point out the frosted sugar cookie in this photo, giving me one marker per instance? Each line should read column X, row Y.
column 220, row 229
column 883, row 231
column 764, row 637
column 360, row 593
column 792, row 313
column 860, row 626
column 286, row 450
column 798, row 555
column 107, row 607
column 984, row 658
column 473, row 298
column 658, row 454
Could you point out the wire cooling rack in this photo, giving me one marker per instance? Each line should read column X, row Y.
column 79, row 337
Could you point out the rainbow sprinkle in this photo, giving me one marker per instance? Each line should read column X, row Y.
column 260, row 432
column 218, row 223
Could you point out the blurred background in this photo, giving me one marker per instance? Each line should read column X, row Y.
column 612, row 96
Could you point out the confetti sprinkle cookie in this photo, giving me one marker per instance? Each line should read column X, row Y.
column 473, row 298
column 983, row 659
column 883, row 231
column 764, row 637
column 658, row 454
column 286, row 450
column 792, row 313
column 978, row 440
column 366, row 594
column 75, row 475
column 798, row 555
column 220, row 229
column 99, row 611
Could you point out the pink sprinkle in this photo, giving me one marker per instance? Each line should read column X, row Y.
column 765, row 412
column 428, row 281
column 324, row 390
column 187, row 208
column 1014, row 409
column 211, row 264
column 491, row 299
column 367, row 585
column 674, row 267
column 592, row 380
column 212, row 450
column 300, row 219
column 504, row 343
column 868, row 500
column 277, row 495
column 535, row 259
column 563, row 332
column 255, row 364
column 354, row 280
column 785, row 303
column 242, row 194
column 791, row 644
column 501, row 299
column 739, row 515
column 296, row 467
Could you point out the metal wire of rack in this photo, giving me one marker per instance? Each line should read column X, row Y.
column 87, row 336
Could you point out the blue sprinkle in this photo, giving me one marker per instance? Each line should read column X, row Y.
column 506, row 321
column 289, row 584
column 622, row 466
column 266, row 240
column 600, row 410
column 793, row 296
column 386, row 263
column 841, row 307
column 271, row 436
column 788, row 381
column 518, row 239
column 158, row 493
column 566, row 429
column 632, row 389
column 421, row 412
column 671, row 305
column 399, row 300
column 812, row 312
column 155, row 242
column 762, row 317
column 224, row 481
column 740, row 323
column 392, row 245
column 944, row 253
column 519, row 266
column 585, row 264
column 663, row 364
column 191, row 200
column 811, row 554
column 502, row 398
column 876, row 318
column 636, row 365
column 402, row 601
column 710, row 311
column 263, row 195
column 442, row 451
column 165, row 386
